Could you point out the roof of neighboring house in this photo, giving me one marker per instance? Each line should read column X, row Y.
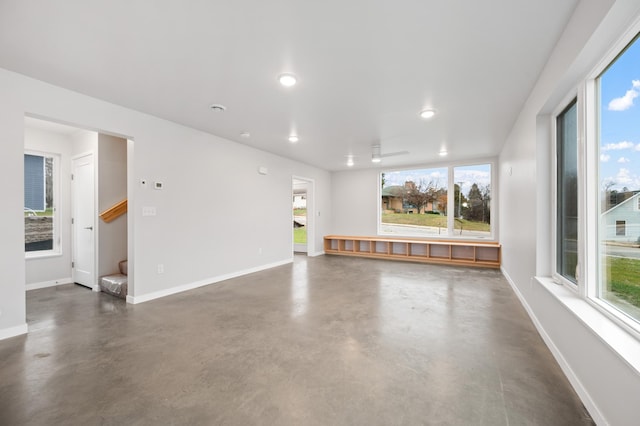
column 633, row 197
column 393, row 191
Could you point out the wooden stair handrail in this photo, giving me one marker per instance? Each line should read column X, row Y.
column 114, row 212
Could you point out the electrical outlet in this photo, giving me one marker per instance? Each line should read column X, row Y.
column 160, row 268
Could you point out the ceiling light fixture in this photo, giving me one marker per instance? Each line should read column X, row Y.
column 218, row 107
column 293, row 139
column 443, row 153
column 350, row 161
column 376, row 157
column 287, row 80
column 427, row 113
column 245, row 135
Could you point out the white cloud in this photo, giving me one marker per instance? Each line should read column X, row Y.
column 619, row 145
column 625, row 102
column 604, row 158
column 623, row 177
column 623, row 160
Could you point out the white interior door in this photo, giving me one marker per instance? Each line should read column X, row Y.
column 83, row 226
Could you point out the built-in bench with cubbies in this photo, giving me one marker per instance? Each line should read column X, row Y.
column 459, row 252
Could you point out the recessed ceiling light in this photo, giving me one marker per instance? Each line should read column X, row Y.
column 218, row 107
column 287, row 80
column 443, row 153
column 293, row 139
column 427, row 113
column 246, row 135
column 350, row 161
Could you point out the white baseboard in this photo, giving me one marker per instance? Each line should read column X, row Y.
column 186, row 287
column 315, row 253
column 577, row 385
column 13, row 331
column 52, row 283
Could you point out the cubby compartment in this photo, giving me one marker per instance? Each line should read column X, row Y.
column 381, row 247
column 463, row 252
column 440, row 251
column 365, row 246
column 416, row 249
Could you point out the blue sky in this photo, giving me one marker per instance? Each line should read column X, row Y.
column 620, row 121
column 480, row 174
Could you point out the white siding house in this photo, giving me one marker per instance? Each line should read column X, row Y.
column 622, row 222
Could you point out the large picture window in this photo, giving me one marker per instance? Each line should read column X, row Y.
column 619, row 182
column 472, row 201
column 440, row 201
column 414, row 202
column 40, row 221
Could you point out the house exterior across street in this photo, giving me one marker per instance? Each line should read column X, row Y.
column 622, row 222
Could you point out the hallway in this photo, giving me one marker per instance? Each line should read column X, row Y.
column 323, row 341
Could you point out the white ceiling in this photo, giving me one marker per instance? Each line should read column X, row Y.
column 365, row 68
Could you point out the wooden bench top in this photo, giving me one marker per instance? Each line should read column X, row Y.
column 456, row 242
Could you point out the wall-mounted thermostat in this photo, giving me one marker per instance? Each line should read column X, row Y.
column 157, row 185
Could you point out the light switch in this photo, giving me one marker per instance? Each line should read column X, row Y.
column 148, row 211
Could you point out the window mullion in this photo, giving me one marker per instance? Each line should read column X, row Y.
column 451, row 203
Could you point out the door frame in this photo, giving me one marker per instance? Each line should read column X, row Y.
column 94, row 282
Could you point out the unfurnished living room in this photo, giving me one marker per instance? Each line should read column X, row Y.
column 320, row 213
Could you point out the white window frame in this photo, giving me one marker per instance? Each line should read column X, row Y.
column 562, row 106
column 57, row 243
column 589, row 274
column 594, row 273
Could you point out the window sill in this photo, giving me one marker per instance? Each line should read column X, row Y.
column 44, row 255
column 621, row 341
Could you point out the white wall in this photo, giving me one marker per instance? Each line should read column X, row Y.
column 12, row 263
column 355, row 202
column 213, row 216
column 608, row 386
column 112, row 188
column 84, row 142
column 44, row 271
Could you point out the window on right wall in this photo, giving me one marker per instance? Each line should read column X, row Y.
column 618, row 251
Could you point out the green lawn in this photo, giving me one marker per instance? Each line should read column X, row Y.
column 299, row 212
column 300, row 235
column 623, row 278
column 47, row 212
column 432, row 220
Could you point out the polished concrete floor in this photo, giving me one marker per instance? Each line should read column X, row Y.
column 323, row 341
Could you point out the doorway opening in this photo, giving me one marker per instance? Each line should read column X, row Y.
column 302, row 208
column 88, row 175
